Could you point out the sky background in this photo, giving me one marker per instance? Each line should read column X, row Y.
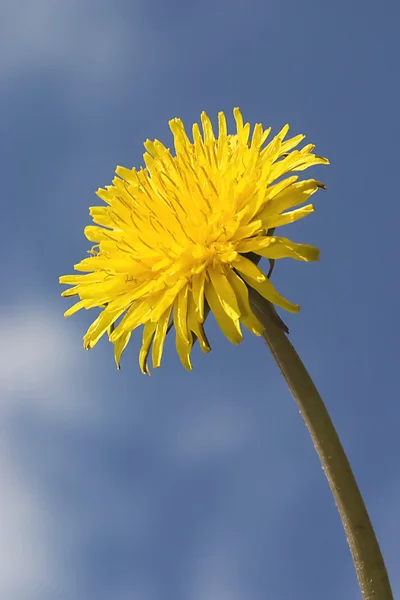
column 201, row 485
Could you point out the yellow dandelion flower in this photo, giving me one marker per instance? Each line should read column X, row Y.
column 176, row 238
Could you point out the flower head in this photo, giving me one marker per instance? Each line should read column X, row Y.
column 179, row 235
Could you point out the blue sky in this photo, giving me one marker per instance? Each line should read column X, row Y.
column 186, row 486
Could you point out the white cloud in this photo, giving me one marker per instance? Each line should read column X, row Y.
column 215, row 574
column 27, row 562
column 86, row 46
column 209, row 432
column 40, row 369
column 36, row 362
column 33, row 349
column 232, row 542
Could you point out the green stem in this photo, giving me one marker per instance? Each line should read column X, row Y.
column 367, row 557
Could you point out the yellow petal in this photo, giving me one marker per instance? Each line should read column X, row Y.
column 291, row 143
column 100, row 215
column 180, row 314
column 247, row 317
column 283, row 132
column 106, row 195
column 159, row 337
column 275, row 247
column 288, row 217
column 99, row 234
column 278, row 188
column 225, row 293
column 101, row 290
column 222, row 133
column 230, row 327
column 82, row 304
column 313, row 160
column 183, row 349
column 100, row 326
column 288, row 196
column 81, row 279
column 71, row 292
column 120, row 345
column 184, row 339
column 268, row 291
column 253, row 244
column 248, row 268
column 198, row 292
column 128, row 175
column 208, row 134
column 181, row 141
column 257, row 136
column 283, row 248
column 247, row 231
column 195, row 324
column 198, row 330
column 148, row 333
column 238, row 118
column 136, row 315
column 166, row 299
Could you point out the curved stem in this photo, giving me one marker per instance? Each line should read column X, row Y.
column 367, row 557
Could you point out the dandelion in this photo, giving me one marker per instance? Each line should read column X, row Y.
column 178, row 237
column 184, row 236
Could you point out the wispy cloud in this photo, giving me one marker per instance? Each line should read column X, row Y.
column 38, row 360
column 84, row 46
column 28, row 566
column 34, row 354
column 117, row 503
column 37, row 374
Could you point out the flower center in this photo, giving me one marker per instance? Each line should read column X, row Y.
column 213, row 253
